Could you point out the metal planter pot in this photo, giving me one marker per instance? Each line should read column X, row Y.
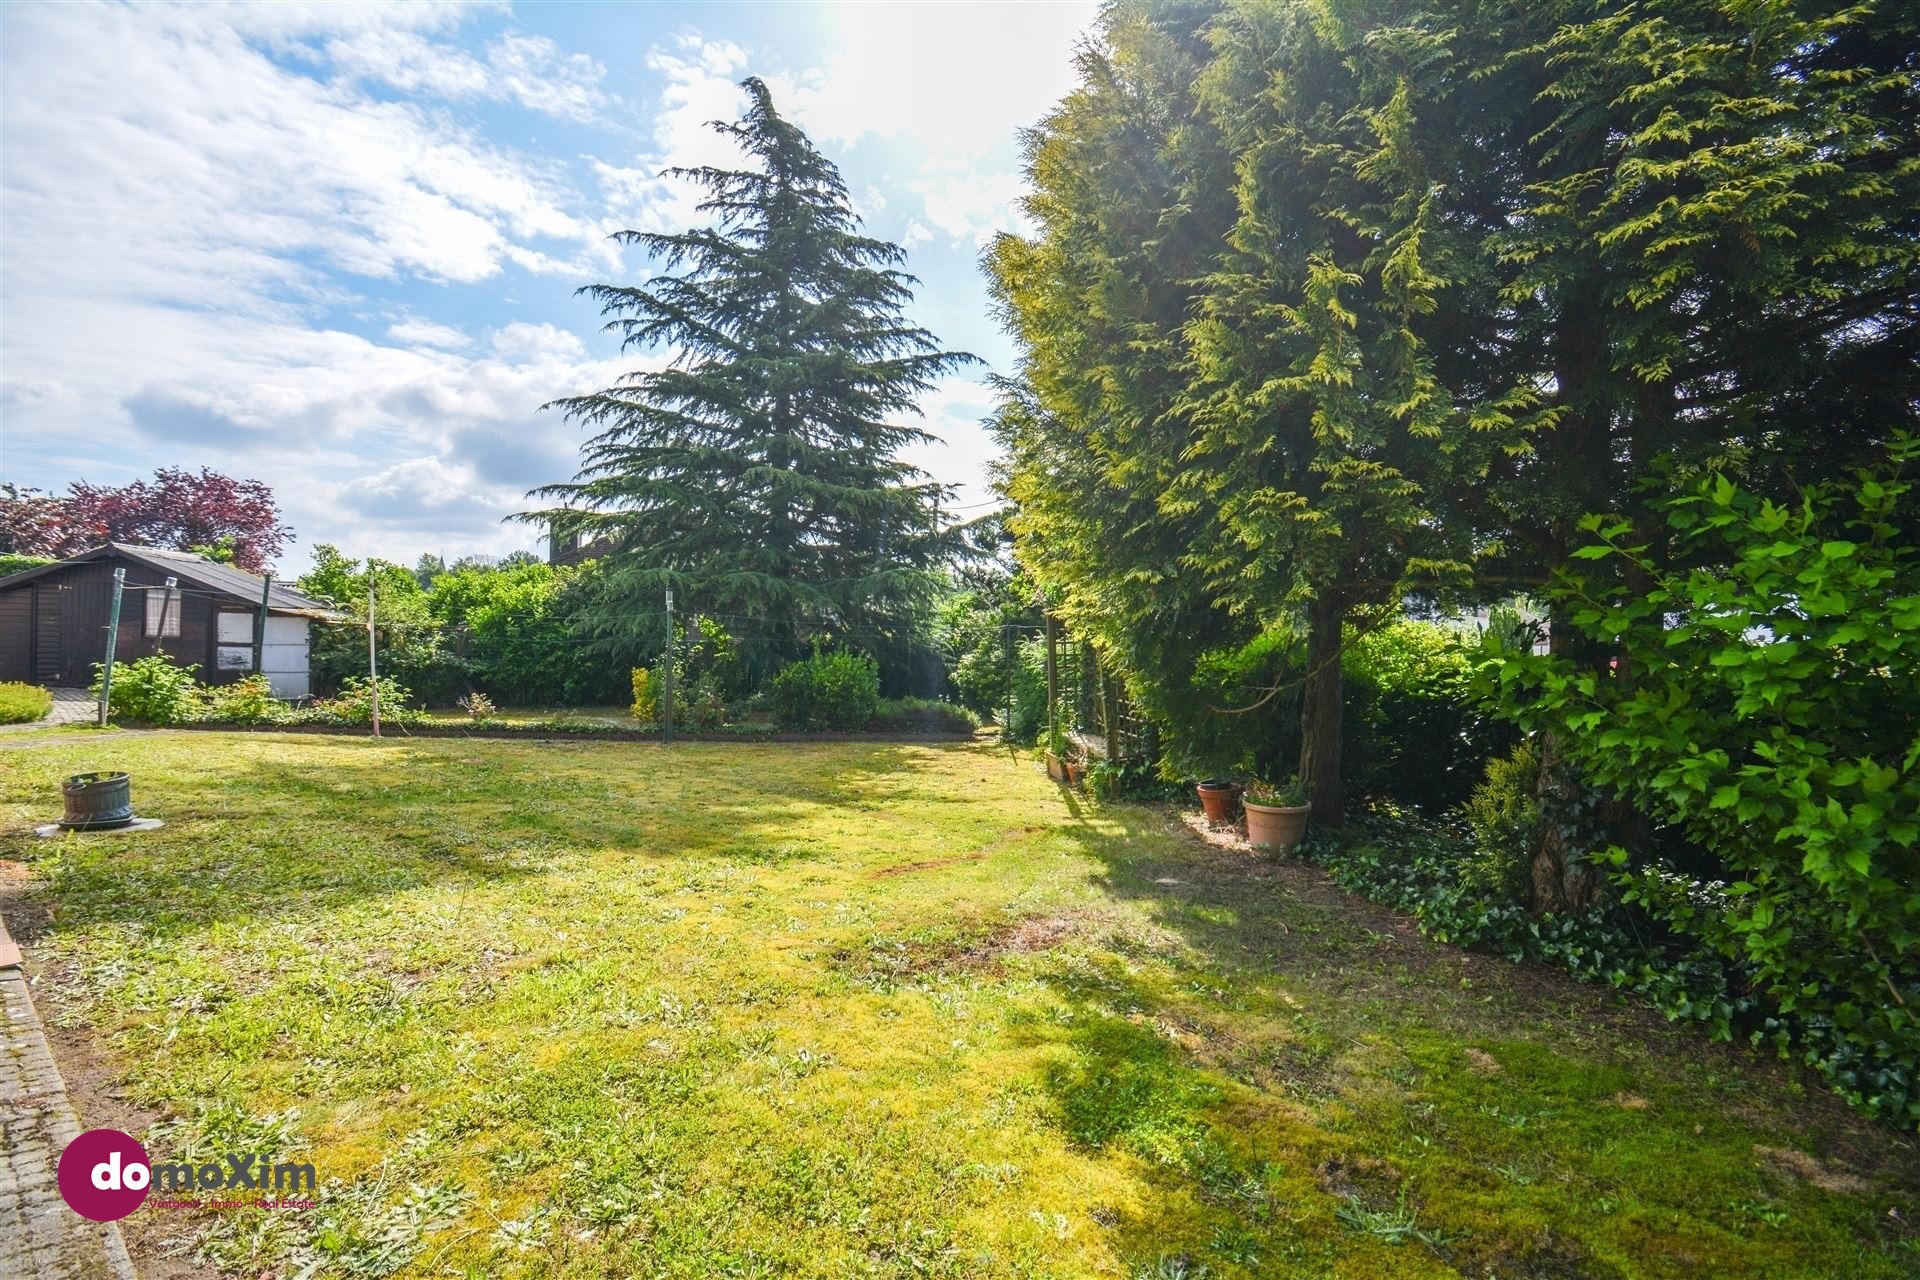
column 97, row 801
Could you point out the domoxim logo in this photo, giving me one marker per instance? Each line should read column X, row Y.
column 105, row 1175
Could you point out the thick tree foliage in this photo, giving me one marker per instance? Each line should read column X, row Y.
column 236, row 520
column 759, row 474
column 1330, row 303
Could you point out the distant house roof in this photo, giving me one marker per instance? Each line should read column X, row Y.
column 214, row 576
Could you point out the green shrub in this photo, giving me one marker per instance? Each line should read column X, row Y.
column 12, row 563
column 702, row 707
column 152, row 690
column 646, row 706
column 23, row 703
column 354, row 703
column 248, row 700
column 1133, row 780
column 1416, row 730
column 1764, row 705
column 698, row 704
column 827, row 691
column 1504, row 813
column 1286, row 794
column 922, row 715
column 1028, row 679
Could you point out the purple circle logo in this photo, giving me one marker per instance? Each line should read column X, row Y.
column 104, row 1175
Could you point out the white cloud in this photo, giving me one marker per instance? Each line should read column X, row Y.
column 424, row 333
column 957, row 80
column 530, row 70
column 972, row 207
column 522, row 343
column 181, row 202
column 701, row 87
column 158, row 153
column 961, row 448
column 365, row 444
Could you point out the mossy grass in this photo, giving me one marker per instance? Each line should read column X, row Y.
column 882, row 1009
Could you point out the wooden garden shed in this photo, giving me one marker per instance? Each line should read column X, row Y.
column 53, row 619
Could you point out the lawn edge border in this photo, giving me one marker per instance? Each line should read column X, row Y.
column 587, row 735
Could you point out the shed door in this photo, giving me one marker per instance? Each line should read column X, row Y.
column 16, row 634
column 49, row 653
column 284, row 658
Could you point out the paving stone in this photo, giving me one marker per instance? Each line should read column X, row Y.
column 39, row 1235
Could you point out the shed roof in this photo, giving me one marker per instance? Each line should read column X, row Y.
column 199, row 570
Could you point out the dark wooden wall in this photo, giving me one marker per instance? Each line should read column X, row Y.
column 53, row 630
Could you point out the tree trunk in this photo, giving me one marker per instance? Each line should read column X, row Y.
column 1580, row 454
column 1573, row 819
column 1321, row 708
column 1563, row 878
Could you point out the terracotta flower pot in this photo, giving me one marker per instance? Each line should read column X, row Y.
column 1219, row 799
column 1076, row 773
column 1273, row 826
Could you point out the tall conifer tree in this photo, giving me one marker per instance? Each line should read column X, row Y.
column 760, row 472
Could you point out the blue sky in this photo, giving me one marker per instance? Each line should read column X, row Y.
column 334, row 247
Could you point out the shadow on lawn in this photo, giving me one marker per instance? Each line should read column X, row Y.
column 1299, row 1128
column 250, row 837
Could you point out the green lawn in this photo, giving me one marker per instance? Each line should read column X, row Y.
column 598, row 1009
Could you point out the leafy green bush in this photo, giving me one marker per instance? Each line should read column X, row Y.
column 922, row 715
column 1503, row 813
column 825, row 691
column 248, row 700
column 12, row 563
column 1285, row 794
column 414, row 645
column 646, row 707
column 1028, row 678
column 23, row 703
column 1133, row 780
column 152, row 690
column 1416, row 732
column 702, row 707
column 1262, row 735
column 354, row 703
column 981, row 627
column 1765, row 704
